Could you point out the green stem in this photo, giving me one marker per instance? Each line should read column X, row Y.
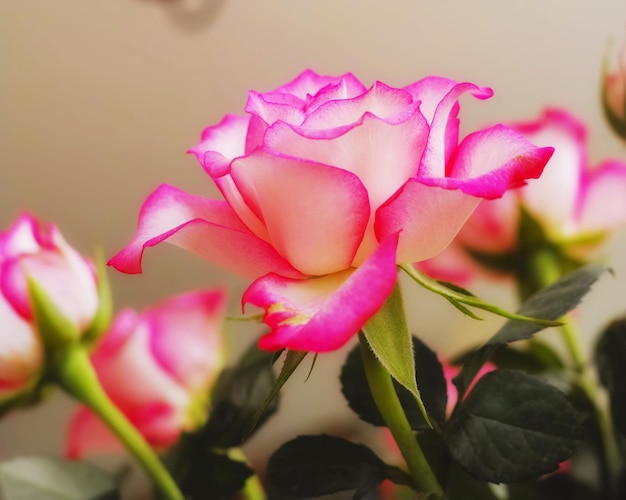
column 252, row 489
column 545, row 271
column 386, row 399
column 77, row 376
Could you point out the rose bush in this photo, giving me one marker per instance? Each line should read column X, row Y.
column 30, row 251
column 158, row 368
column 327, row 186
column 577, row 206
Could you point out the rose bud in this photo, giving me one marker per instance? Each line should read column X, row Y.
column 158, row 368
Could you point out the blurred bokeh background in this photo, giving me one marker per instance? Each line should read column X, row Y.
column 99, row 101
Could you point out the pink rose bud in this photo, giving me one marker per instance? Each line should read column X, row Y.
column 327, row 186
column 158, row 368
column 614, row 95
column 29, row 251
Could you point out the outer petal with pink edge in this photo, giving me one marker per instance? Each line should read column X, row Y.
column 208, row 228
column 322, row 314
column 491, row 161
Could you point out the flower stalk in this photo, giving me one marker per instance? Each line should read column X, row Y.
column 76, row 375
column 545, row 270
column 386, row 399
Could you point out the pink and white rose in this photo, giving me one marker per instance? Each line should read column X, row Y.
column 29, row 250
column 577, row 206
column 327, row 186
column 158, row 368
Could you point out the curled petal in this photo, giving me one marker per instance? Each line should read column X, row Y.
column 382, row 101
column 491, row 161
column 322, row 314
column 208, row 228
column 442, row 94
column 305, row 206
column 428, row 218
column 221, row 143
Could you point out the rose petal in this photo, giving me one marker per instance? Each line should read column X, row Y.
column 221, row 143
column 208, row 228
column 444, row 125
column 21, row 353
column 304, row 206
column 87, row 435
column 491, row 161
column 186, row 337
column 322, row 314
column 428, row 218
column 555, row 198
column 383, row 155
column 387, row 103
column 604, row 197
column 219, row 146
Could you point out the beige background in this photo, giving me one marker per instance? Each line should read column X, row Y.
column 100, row 99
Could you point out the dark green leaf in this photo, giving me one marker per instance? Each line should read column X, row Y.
column 512, row 427
column 237, row 396
column 462, row 486
column 209, row 475
column 37, row 478
column 553, row 487
column 610, row 357
column 428, row 370
column 292, row 360
column 551, row 303
column 312, row 466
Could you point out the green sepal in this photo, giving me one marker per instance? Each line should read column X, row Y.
column 388, row 336
column 459, row 296
column 102, row 318
column 54, row 328
column 292, row 360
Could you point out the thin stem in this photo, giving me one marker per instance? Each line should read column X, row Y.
column 77, row 376
column 252, row 489
column 386, row 399
column 545, row 271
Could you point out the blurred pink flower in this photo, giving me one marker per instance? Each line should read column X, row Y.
column 327, row 186
column 28, row 250
column 158, row 367
column 614, row 94
column 577, row 206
